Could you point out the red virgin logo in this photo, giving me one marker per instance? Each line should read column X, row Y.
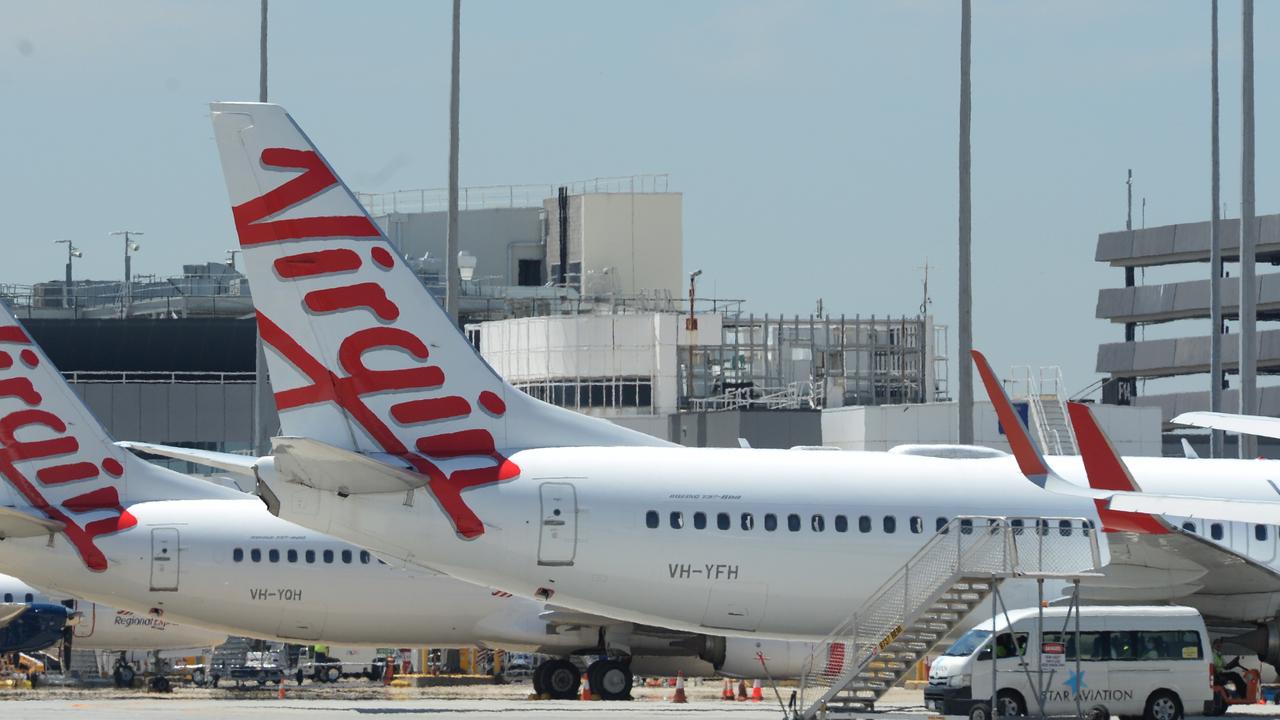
column 442, row 428
column 34, row 441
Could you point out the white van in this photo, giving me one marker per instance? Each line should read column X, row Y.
column 1152, row 662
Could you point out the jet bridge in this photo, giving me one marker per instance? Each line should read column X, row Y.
column 926, row 599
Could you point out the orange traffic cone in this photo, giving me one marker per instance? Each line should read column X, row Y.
column 757, row 691
column 280, row 693
column 726, row 693
column 679, row 697
column 742, row 690
column 586, row 688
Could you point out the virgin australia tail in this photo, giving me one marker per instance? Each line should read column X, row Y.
column 361, row 356
column 58, row 461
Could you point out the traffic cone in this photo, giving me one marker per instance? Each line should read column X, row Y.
column 586, row 688
column 726, row 693
column 679, row 697
column 742, row 690
column 280, row 693
column 757, row 691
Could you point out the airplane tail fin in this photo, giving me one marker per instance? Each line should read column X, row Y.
column 58, row 459
column 1025, row 449
column 361, row 356
column 1107, row 472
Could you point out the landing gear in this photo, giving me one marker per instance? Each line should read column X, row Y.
column 610, row 679
column 557, row 678
column 123, row 674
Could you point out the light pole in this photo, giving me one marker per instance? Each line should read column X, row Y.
column 690, row 326
column 126, row 296
column 72, row 252
column 231, row 258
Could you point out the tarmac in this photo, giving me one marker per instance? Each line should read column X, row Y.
column 351, row 700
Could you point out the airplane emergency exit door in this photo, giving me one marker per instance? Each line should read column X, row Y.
column 164, row 559
column 558, row 540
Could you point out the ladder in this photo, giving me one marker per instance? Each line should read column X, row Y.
column 1048, row 408
column 919, row 606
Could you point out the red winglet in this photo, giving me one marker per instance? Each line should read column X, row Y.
column 1106, row 471
column 1024, row 448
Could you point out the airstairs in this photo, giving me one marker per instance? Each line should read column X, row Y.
column 1043, row 392
column 924, row 601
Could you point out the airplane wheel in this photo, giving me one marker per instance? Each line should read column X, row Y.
column 123, row 676
column 540, row 678
column 561, row 680
column 610, row 679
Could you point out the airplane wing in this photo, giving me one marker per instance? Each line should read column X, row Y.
column 230, row 462
column 1250, row 511
column 1243, row 424
column 18, row 524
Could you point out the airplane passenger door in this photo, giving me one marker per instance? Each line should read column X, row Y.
column 558, row 537
column 164, row 559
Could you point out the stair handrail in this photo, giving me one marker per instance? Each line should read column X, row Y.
column 856, row 654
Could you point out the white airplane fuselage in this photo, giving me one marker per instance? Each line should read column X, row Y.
column 602, row 557
column 105, row 628
column 179, row 564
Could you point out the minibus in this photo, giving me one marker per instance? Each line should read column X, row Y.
column 1150, row 662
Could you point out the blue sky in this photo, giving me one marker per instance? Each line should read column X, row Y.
column 815, row 142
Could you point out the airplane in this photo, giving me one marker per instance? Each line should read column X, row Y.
column 398, row 437
column 99, row 627
column 1195, row 554
column 83, row 517
column 30, row 626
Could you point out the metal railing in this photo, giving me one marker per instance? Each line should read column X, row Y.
column 803, row 395
column 158, row 377
column 967, row 547
column 486, row 197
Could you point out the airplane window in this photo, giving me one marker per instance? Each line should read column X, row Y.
column 1215, row 531
column 311, row 556
column 770, row 522
column 722, row 521
column 255, row 555
column 29, row 597
column 1260, row 532
column 328, row 556
column 864, row 523
column 793, row 522
column 365, row 557
column 941, row 523
column 890, row 523
column 346, row 556
column 1016, row 522
column 966, row 526
column 917, row 524
column 273, row 555
column 700, row 520
column 748, row 521
column 8, row 597
column 677, row 520
column 1189, row 526
column 237, row 555
column 842, row 523
column 651, row 519
column 1064, row 527
column 1043, row 526
column 818, row 523
column 293, row 556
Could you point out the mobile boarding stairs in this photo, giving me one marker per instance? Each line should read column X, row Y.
column 924, row 601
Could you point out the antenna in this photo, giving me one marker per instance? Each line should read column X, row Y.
column 926, row 301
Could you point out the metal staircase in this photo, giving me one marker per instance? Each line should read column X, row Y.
column 1048, row 408
column 925, row 600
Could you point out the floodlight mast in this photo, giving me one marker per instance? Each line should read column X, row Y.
column 126, row 294
column 72, row 252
